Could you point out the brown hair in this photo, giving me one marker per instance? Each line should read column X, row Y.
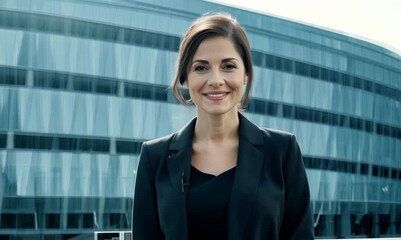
column 214, row 25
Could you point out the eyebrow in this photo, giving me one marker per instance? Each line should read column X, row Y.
column 224, row 60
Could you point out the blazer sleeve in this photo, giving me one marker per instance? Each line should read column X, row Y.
column 145, row 219
column 297, row 218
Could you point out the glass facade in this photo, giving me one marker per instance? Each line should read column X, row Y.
column 84, row 83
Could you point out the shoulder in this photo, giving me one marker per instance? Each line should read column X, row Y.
column 277, row 137
column 175, row 141
column 275, row 133
column 153, row 152
column 272, row 139
column 281, row 144
column 158, row 144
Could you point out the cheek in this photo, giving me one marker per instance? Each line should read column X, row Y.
column 195, row 83
column 239, row 85
column 192, row 87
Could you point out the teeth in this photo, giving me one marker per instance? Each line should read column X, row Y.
column 216, row 95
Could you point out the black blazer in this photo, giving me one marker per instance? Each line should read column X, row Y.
column 270, row 194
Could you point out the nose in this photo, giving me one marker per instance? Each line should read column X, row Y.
column 216, row 79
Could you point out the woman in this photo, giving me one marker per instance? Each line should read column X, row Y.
column 220, row 177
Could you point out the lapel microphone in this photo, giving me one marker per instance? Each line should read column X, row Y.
column 184, row 182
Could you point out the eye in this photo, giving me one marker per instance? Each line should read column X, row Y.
column 200, row 68
column 229, row 66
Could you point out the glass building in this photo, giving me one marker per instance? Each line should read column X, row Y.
column 84, row 82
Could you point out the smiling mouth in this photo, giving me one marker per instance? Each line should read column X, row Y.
column 216, row 96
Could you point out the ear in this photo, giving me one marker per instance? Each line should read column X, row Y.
column 246, row 79
column 185, row 83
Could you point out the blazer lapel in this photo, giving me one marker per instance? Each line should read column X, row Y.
column 179, row 161
column 249, row 165
column 179, row 166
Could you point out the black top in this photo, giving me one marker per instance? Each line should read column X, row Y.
column 208, row 202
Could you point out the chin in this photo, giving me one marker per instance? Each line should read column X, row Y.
column 218, row 111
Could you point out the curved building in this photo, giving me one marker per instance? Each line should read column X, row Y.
column 84, row 83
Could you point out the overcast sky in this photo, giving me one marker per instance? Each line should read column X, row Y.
column 378, row 21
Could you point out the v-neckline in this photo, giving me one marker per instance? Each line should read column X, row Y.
column 212, row 175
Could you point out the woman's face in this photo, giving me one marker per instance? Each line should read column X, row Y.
column 216, row 77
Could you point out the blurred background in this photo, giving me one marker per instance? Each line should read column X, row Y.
column 84, row 82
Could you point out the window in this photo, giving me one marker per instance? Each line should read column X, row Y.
column 11, row 76
column 128, row 146
column 117, row 220
column 52, row 220
column 8, row 220
column 87, row 220
column 26, row 220
column 362, row 225
column 3, row 140
column 50, row 80
column 73, row 220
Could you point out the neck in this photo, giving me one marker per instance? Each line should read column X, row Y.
column 216, row 127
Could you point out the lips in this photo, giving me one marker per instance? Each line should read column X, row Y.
column 216, row 96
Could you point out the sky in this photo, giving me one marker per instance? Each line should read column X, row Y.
column 377, row 21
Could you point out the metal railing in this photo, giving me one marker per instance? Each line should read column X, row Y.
column 113, row 235
column 126, row 235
